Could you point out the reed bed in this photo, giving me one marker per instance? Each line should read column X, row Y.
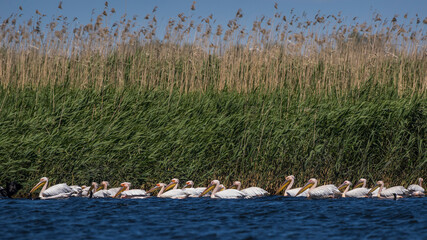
column 304, row 55
column 322, row 96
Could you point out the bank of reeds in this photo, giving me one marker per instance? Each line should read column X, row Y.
column 324, row 97
column 303, row 54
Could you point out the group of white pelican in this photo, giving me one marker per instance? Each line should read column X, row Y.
column 218, row 190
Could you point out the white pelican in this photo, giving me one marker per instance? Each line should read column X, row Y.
column 163, row 193
column 225, row 194
column 289, row 182
column 399, row 191
column 124, row 192
column 77, row 191
column 251, row 191
column 359, row 190
column 191, row 191
column 103, row 192
column 55, row 192
column 325, row 191
column 344, row 186
column 417, row 190
column 88, row 191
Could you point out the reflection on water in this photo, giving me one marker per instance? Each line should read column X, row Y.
column 270, row 217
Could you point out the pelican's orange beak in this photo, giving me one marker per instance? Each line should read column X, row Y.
column 373, row 189
column 120, row 191
column 154, row 188
column 306, row 186
column 359, row 184
column 342, row 187
column 285, row 184
column 38, row 185
column 170, row 185
column 208, row 189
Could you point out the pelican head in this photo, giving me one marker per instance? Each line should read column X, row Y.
column 221, row 187
column 379, row 183
column 172, row 184
column 158, row 185
column 420, row 181
column 345, row 184
column 42, row 182
column 288, row 181
column 211, row 186
column 312, row 182
column 189, row 184
column 360, row 183
column 94, row 185
column 236, row 185
column 104, row 184
column 125, row 185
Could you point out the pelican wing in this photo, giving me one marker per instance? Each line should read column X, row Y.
column 77, row 191
column 113, row 191
column 293, row 192
column 174, row 193
column 101, row 194
column 398, row 190
column 325, row 191
column 193, row 192
column 58, row 189
column 357, row 193
column 255, row 192
column 230, row 194
column 134, row 193
column 415, row 188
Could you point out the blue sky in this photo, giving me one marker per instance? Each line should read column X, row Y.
column 222, row 10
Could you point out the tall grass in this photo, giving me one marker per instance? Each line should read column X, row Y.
column 145, row 137
column 305, row 55
column 324, row 97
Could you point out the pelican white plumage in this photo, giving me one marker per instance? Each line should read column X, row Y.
column 359, row 190
column 417, row 190
column 250, row 191
column 225, row 194
column 55, row 192
column 125, row 192
column 393, row 192
column 191, row 191
column 77, row 191
column 103, row 192
column 289, row 182
column 325, row 191
column 164, row 193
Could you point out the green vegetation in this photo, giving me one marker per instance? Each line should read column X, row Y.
column 78, row 136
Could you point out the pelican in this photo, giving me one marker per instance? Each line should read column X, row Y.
column 417, row 190
column 124, row 192
column 88, row 191
column 103, row 192
column 191, row 191
column 77, row 191
column 344, row 186
column 359, row 190
column 164, row 193
column 225, row 194
column 325, row 191
column 251, row 191
column 399, row 191
column 55, row 192
column 289, row 181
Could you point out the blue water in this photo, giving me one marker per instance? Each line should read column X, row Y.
column 263, row 218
